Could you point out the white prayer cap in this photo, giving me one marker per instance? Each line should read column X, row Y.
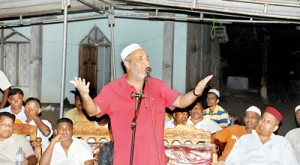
column 254, row 109
column 297, row 108
column 216, row 92
column 129, row 49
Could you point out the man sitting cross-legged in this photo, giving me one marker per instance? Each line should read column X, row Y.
column 63, row 149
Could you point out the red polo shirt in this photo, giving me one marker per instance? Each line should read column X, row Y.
column 116, row 101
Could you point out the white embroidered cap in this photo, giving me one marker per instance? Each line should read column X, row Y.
column 216, row 92
column 129, row 49
column 254, row 109
column 297, row 108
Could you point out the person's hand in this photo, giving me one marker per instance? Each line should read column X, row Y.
column 25, row 161
column 201, row 85
column 81, row 85
column 31, row 112
column 57, row 138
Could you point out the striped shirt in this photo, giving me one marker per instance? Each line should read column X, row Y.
column 220, row 116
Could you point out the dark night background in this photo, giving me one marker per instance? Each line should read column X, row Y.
column 243, row 55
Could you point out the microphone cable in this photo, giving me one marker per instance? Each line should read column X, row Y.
column 153, row 123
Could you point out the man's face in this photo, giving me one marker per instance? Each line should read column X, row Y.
column 137, row 64
column 65, row 130
column 251, row 119
column 298, row 117
column 6, row 127
column 267, row 124
column 78, row 102
column 16, row 101
column 180, row 117
column 197, row 112
column 212, row 100
column 35, row 107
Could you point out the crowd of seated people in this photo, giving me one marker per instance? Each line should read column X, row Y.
column 262, row 146
column 29, row 112
column 252, row 143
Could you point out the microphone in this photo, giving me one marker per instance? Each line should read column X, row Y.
column 148, row 70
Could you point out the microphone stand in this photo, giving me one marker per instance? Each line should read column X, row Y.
column 138, row 99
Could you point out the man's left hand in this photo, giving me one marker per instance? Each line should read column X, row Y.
column 201, row 85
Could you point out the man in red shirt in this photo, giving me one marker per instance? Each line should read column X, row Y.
column 115, row 99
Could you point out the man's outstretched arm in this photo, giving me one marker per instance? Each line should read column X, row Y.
column 187, row 99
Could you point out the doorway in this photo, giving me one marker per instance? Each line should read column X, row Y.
column 95, row 60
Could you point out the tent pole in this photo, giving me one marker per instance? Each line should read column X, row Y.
column 111, row 23
column 65, row 5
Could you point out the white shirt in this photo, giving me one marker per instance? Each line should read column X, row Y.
column 21, row 115
column 4, row 83
column 293, row 136
column 45, row 140
column 206, row 125
column 169, row 124
column 248, row 150
column 78, row 153
column 10, row 146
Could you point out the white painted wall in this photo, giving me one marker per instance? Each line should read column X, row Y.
column 149, row 34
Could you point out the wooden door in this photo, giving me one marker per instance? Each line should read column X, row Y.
column 88, row 66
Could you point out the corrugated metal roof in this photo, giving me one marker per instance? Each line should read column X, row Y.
column 227, row 11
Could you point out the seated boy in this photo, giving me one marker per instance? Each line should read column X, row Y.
column 32, row 112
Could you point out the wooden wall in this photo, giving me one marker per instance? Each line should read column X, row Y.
column 203, row 56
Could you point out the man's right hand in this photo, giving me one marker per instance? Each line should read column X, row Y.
column 87, row 102
column 81, row 85
column 57, row 138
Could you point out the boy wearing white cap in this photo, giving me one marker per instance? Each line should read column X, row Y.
column 230, row 134
column 214, row 111
column 294, row 134
column 115, row 99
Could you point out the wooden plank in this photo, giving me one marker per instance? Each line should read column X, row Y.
column 35, row 81
column 168, row 51
column 193, row 55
